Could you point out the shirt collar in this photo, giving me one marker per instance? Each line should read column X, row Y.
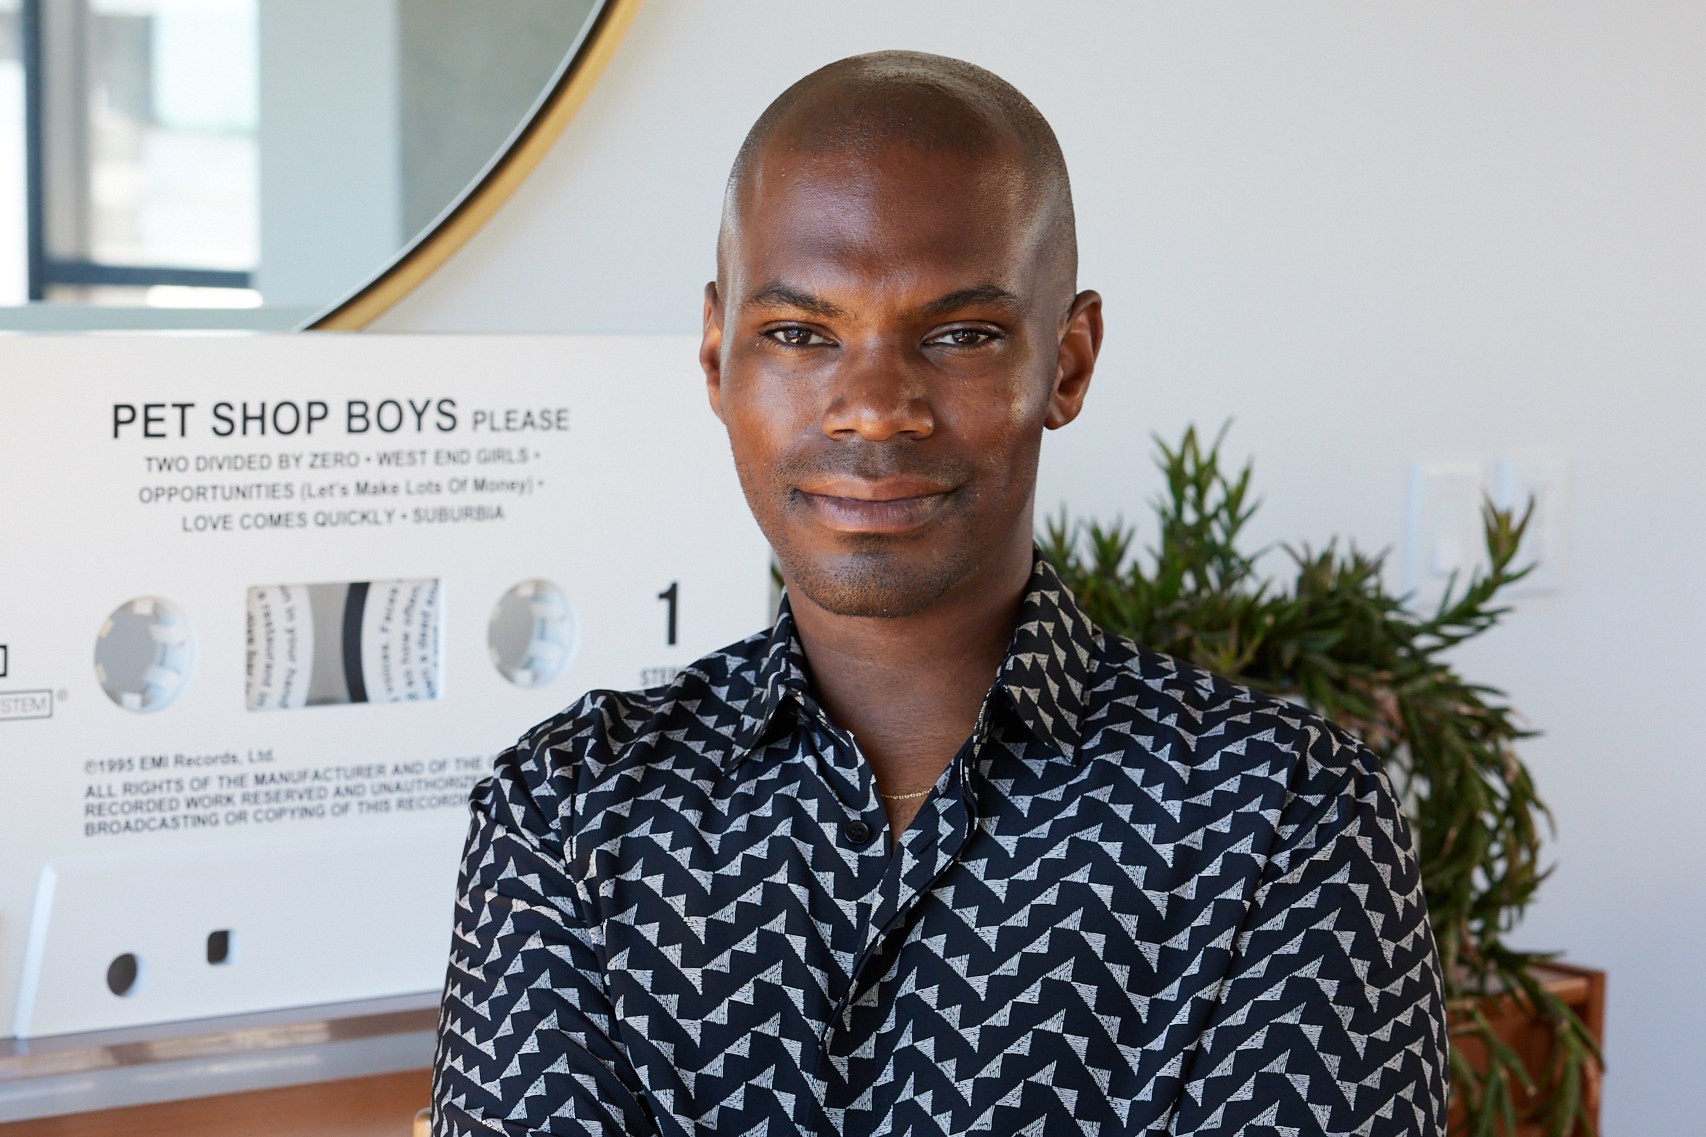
column 1046, row 673
column 779, row 684
column 1050, row 663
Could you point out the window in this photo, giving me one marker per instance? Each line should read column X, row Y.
column 14, row 215
column 139, row 151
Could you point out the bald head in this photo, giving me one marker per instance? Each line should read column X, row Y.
column 858, row 108
column 893, row 326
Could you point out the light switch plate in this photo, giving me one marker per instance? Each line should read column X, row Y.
column 1545, row 478
column 1445, row 531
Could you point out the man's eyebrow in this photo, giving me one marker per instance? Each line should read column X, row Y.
column 779, row 295
column 988, row 294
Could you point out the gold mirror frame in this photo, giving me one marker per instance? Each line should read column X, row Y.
column 423, row 256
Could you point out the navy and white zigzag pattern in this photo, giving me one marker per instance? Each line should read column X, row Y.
column 1140, row 900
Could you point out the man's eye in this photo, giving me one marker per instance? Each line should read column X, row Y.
column 795, row 337
column 964, row 337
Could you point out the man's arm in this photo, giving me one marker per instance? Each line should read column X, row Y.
column 1331, row 1018
column 525, row 1036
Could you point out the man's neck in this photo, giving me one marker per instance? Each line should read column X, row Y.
column 909, row 688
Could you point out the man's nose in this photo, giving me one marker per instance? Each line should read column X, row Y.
column 878, row 393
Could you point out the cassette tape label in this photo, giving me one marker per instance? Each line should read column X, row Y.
column 253, row 525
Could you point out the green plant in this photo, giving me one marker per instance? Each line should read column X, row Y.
column 1337, row 640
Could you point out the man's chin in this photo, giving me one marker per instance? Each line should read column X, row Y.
column 875, row 583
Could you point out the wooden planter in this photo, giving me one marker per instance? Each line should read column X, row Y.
column 1582, row 989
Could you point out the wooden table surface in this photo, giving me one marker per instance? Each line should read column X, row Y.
column 380, row 1106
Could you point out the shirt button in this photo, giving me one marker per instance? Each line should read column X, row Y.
column 856, row 831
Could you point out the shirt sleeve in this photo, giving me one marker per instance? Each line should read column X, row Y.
column 1331, row 1018
column 526, row 1035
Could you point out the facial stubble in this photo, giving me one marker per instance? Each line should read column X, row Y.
column 874, row 575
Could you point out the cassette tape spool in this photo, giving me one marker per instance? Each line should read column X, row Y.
column 531, row 634
column 145, row 654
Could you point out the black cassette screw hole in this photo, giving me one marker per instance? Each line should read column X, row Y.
column 123, row 973
column 221, row 946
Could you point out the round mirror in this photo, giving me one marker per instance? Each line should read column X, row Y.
column 265, row 164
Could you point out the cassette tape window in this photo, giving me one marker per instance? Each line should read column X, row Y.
column 347, row 642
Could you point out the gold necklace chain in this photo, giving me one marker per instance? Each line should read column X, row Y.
column 905, row 797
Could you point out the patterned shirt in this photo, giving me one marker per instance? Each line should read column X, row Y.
column 1140, row 899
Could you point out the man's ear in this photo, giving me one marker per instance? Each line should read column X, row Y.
column 711, row 348
column 1080, row 342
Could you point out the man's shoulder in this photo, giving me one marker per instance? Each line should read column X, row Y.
column 1202, row 725
column 696, row 714
column 714, row 689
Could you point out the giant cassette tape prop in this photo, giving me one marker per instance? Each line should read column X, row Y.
column 268, row 608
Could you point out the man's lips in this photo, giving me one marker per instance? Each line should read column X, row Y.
column 887, row 505
column 873, row 489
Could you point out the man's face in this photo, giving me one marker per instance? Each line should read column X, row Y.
column 886, row 347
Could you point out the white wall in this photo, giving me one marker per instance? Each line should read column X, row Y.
column 1376, row 234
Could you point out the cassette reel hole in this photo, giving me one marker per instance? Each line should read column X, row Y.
column 532, row 633
column 144, row 654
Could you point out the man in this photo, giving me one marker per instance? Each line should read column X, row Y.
column 933, row 854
